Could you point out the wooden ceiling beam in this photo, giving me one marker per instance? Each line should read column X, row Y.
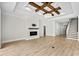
column 49, row 13
column 44, row 5
column 37, row 6
column 34, row 4
column 54, row 9
column 58, row 8
column 48, row 4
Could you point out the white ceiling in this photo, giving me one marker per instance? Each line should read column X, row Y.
column 7, row 6
column 11, row 6
column 65, row 9
column 23, row 7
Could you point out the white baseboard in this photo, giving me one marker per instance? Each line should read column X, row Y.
column 51, row 35
column 72, row 38
column 78, row 39
column 13, row 40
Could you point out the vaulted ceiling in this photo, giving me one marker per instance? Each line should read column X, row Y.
column 65, row 8
column 51, row 10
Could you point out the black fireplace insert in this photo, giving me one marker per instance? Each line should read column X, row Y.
column 33, row 33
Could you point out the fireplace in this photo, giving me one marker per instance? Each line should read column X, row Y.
column 33, row 33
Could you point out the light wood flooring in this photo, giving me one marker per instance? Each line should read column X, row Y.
column 41, row 47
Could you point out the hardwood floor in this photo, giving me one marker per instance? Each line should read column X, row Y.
column 49, row 46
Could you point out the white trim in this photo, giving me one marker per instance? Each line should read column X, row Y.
column 51, row 35
column 12, row 40
column 72, row 38
column 78, row 39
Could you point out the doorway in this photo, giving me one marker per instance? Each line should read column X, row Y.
column 44, row 27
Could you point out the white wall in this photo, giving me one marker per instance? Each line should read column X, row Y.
column 0, row 28
column 15, row 23
column 75, row 7
column 57, row 28
column 78, row 27
column 8, row 7
column 15, row 26
column 50, row 28
column 60, row 28
column 54, row 27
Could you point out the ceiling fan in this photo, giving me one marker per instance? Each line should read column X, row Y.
column 46, row 4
